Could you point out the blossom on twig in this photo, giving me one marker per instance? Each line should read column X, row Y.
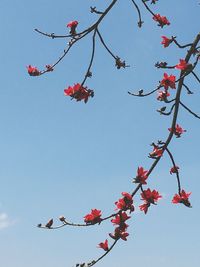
column 162, row 20
column 182, row 197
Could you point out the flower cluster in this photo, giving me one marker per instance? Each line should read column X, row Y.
column 142, row 176
column 162, row 21
column 79, row 92
column 125, row 203
column 93, row 217
column 167, row 82
column 120, row 230
column 149, row 197
column 178, row 130
column 182, row 197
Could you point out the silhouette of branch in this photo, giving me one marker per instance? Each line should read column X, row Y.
column 180, row 46
column 88, row 72
column 141, row 94
column 160, row 146
column 100, row 258
column 175, row 167
column 106, row 47
column 189, row 110
column 162, row 110
column 146, row 6
column 196, row 76
column 93, row 10
column 188, row 90
column 140, row 22
column 86, row 31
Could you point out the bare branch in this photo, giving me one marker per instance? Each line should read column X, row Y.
column 194, row 74
column 140, row 22
column 88, row 72
column 189, row 110
column 188, row 89
column 162, row 110
column 141, row 94
column 180, row 46
column 177, row 172
column 106, row 47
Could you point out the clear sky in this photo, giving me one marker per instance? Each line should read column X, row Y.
column 64, row 157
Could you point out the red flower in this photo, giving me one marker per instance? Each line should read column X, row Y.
column 104, row 245
column 144, row 207
column 72, row 25
column 162, row 95
column 142, row 175
column 93, row 217
column 156, row 153
column 33, row 71
column 150, row 196
column 183, row 198
column 120, row 218
column 127, row 196
column 168, row 81
column 119, row 234
column 123, row 235
column 183, row 65
column 125, row 203
column 166, row 41
column 177, row 131
column 174, row 169
column 79, row 92
column 162, row 21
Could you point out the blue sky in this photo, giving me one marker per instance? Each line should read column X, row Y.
column 65, row 157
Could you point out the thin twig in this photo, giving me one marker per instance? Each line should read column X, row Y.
column 141, row 94
column 189, row 110
column 196, row 76
column 94, row 10
column 140, row 22
column 52, row 35
column 177, row 172
column 188, row 89
column 88, row 30
column 106, row 47
column 78, row 36
column 167, row 113
column 180, row 46
column 91, row 60
column 102, row 256
column 67, row 223
column 146, row 6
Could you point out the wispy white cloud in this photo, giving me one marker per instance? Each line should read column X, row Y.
column 4, row 221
